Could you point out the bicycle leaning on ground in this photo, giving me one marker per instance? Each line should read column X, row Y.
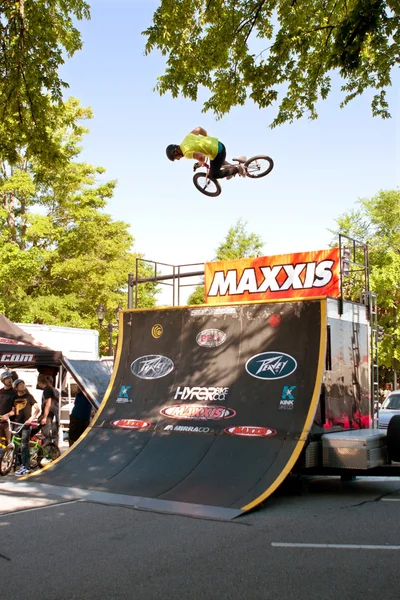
column 255, row 167
column 40, row 453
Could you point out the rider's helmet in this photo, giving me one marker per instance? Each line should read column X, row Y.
column 170, row 151
column 17, row 382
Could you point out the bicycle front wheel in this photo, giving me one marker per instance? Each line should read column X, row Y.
column 7, row 460
column 207, row 186
column 258, row 166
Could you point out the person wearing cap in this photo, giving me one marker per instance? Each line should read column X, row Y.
column 7, row 395
column 25, row 410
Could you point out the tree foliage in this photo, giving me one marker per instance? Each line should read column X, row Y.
column 238, row 243
column 376, row 221
column 35, row 38
column 60, row 253
column 281, row 51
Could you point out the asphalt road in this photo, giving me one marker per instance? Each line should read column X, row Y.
column 83, row 550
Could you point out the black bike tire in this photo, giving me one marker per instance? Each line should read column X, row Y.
column 258, row 157
column 7, row 451
column 198, row 176
column 35, row 458
column 52, row 449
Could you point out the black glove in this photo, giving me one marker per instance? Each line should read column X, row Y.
column 196, row 166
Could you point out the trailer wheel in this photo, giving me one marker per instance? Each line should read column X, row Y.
column 393, row 438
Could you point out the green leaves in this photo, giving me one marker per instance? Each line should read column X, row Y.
column 376, row 221
column 35, row 36
column 216, row 45
column 60, row 253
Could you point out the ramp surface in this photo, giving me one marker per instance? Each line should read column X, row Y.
column 208, row 407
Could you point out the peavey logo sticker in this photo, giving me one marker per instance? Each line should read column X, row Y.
column 187, row 429
column 152, row 366
column 130, row 424
column 211, row 338
column 250, row 431
column 197, row 411
column 271, row 365
column 205, row 394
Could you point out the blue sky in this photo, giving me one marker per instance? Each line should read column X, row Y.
column 321, row 167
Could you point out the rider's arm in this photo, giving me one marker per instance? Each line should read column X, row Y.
column 199, row 157
column 199, row 131
column 35, row 413
column 46, row 410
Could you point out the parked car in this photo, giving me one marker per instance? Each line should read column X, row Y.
column 389, row 408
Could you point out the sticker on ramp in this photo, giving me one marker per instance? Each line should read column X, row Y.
column 271, row 365
column 130, row 424
column 250, row 431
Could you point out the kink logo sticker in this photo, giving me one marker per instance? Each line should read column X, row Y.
column 211, row 338
column 271, row 365
column 287, row 397
column 152, row 366
column 157, row 331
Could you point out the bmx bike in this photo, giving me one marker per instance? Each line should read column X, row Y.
column 255, row 168
column 38, row 450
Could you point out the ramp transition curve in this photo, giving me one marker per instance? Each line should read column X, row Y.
column 207, row 410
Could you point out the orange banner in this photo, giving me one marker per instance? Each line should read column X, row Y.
column 300, row 275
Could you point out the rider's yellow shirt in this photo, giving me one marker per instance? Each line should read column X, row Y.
column 199, row 143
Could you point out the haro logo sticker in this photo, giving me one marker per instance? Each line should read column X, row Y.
column 210, row 338
column 271, row 365
column 250, row 431
column 152, row 366
column 197, row 411
column 130, row 424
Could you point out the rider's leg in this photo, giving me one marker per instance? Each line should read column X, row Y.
column 25, row 437
column 216, row 172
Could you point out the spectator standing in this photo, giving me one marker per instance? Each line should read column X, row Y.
column 7, row 395
column 80, row 417
column 25, row 410
column 50, row 402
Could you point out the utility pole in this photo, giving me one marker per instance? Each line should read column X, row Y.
column 395, row 346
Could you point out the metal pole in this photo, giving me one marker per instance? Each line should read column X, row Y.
column 131, row 283
column 394, row 348
column 110, row 342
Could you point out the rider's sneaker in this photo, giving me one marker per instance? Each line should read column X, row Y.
column 45, row 461
column 241, row 170
column 22, row 471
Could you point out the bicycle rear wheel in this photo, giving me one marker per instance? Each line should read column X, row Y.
column 207, row 186
column 258, row 166
column 51, row 451
column 7, row 460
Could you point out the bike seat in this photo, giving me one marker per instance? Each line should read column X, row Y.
column 241, row 159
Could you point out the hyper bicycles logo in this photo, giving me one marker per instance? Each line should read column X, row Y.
column 250, row 431
column 297, row 277
column 205, row 394
column 197, row 411
column 187, row 429
column 271, row 365
column 152, row 366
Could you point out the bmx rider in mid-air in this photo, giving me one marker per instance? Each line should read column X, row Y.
column 198, row 145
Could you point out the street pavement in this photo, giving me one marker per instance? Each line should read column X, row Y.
column 53, row 549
